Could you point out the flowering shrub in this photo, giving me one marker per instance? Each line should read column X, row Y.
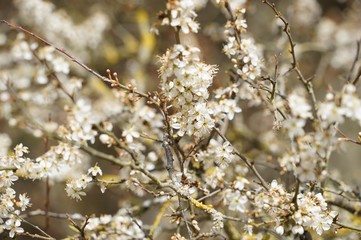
column 243, row 147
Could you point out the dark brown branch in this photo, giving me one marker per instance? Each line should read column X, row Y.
column 357, row 78
column 81, row 229
column 168, row 154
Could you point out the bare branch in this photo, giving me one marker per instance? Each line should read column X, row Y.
column 294, row 64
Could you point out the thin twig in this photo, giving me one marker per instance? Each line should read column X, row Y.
column 47, row 191
column 120, row 144
column 37, row 228
column 341, row 194
column 274, row 81
column 357, row 56
column 210, row 194
column 294, row 64
column 40, row 212
column 59, row 84
column 184, row 217
column 342, row 225
column 345, row 138
column 37, row 236
column 81, row 229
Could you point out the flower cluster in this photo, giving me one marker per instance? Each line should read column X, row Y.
column 336, row 108
column 75, row 187
column 242, row 51
column 112, row 227
column 58, row 163
column 37, row 88
column 11, row 205
column 182, row 150
column 215, row 160
column 309, row 150
column 80, row 123
column 220, row 154
column 185, row 82
column 300, row 111
column 246, row 57
column 312, row 213
column 180, row 14
column 214, row 176
column 306, row 210
column 225, row 108
column 307, row 159
column 276, row 201
column 235, row 200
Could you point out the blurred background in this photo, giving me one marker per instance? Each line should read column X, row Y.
column 119, row 35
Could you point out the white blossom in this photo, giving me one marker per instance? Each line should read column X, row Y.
column 235, row 201
column 94, row 171
column 181, row 14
